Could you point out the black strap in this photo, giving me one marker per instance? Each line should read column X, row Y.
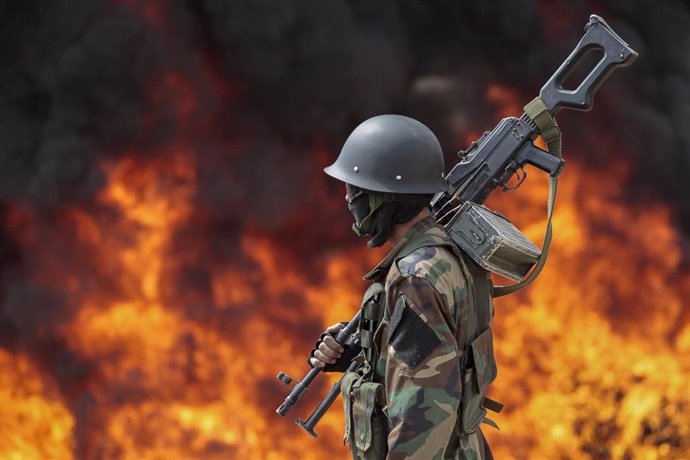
column 372, row 309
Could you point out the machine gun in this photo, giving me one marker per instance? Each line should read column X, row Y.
column 489, row 163
column 499, row 154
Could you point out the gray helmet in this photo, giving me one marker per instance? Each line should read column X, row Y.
column 391, row 154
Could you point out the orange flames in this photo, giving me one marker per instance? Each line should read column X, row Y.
column 33, row 422
column 594, row 358
column 188, row 391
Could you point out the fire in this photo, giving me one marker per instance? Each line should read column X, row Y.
column 33, row 422
column 167, row 386
column 594, row 358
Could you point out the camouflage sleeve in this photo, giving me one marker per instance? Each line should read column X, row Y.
column 423, row 384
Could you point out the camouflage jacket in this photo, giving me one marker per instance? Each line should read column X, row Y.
column 420, row 344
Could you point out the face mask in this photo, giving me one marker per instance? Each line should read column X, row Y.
column 362, row 205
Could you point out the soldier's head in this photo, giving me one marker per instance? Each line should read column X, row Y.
column 391, row 165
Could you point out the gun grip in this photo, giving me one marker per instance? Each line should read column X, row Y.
column 533, row 155
column 616, row 53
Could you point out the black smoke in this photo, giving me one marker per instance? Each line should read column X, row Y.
column 76, row 78
column 275, row 82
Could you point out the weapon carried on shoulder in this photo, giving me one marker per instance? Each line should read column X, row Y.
column 490, row 162
column 498, row 154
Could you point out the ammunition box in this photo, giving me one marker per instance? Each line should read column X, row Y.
column 493, row 241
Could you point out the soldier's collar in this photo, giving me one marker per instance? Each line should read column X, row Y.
column 422, row 226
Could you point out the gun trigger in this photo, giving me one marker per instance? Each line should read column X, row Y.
column 521, row 179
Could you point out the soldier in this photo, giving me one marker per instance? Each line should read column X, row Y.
column 425, row 335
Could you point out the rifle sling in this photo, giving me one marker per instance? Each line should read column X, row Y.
column 481, row 289
column 549, row 131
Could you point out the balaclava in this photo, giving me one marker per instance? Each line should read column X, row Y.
column 374, row 216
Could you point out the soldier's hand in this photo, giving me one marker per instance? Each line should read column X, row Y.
column 327, row 350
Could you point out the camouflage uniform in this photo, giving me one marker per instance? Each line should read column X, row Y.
column 420, row 344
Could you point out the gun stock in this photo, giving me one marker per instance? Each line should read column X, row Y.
column 615, row 53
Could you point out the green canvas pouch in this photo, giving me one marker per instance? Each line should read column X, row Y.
column 479, row 372
column 370, row 423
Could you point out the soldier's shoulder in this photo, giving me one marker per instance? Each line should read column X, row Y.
column 431, row 263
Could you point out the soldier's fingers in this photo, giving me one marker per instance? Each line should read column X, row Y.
column 332, row 344
column 334, row 328
column 323, row 358
column 316, row 363
column 326, row 350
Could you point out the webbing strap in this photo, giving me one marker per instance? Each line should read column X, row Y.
column 549, row 131
column 481, row 288
column 372, row 311
column 548, row 128
column 468, row 325
column 372, row 291
column 366, row 339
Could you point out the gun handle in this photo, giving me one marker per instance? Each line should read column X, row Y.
column 533, row 155
column 301, row 386
column 616, row 53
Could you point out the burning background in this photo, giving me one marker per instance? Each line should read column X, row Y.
column 169, row 242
